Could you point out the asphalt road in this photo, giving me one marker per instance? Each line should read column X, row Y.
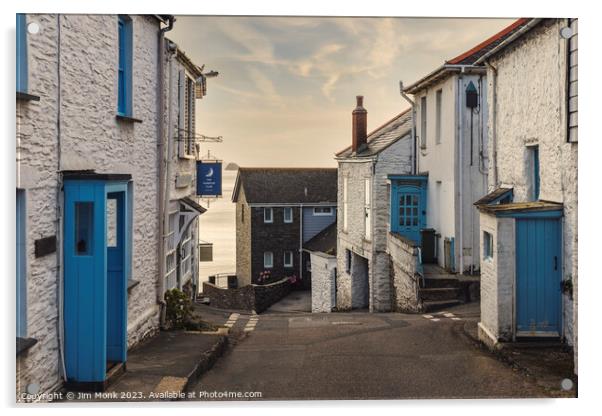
column 292, row 356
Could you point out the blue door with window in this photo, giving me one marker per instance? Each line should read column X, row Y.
column 538, row 276
column 97, row 233
column 408, row 207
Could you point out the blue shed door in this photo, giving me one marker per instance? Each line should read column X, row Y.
column 408, row 214
column 95, row 252
column 538, row 276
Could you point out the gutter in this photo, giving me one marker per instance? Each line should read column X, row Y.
column 161, row 165
column 443, row 70
column 508, row 40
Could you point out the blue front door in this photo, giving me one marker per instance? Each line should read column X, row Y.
column 408, row 212
column 538, row 276
column 96, row 256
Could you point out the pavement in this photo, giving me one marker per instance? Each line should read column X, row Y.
column 360, row 355
column 164, row 367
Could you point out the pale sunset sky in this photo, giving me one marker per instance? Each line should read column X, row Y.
column 287, row 85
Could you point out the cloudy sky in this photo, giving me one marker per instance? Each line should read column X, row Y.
column 287, row 85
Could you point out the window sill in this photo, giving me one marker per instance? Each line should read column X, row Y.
column 127, row 119
column 24, row 344
column 132, row 284
column 23, row 96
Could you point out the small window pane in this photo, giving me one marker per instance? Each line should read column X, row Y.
column 84, row 215
column 111, row 223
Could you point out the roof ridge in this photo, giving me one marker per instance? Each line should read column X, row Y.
column 487, row 41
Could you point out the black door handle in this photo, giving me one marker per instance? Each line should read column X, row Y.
column 555, row 262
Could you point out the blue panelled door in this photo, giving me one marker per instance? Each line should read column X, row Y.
column 96, row 256
column 408, row 211
column 538, row 276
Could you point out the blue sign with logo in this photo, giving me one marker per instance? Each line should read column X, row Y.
column 208, row 178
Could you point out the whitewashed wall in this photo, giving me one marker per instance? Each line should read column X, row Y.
column 531, row 109
column 90, row 138
column 323, row 290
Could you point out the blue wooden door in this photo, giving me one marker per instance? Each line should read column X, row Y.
column 538, row 276
column 116, row 277
column 408, row 214
column 85, row 289
column 97, row 224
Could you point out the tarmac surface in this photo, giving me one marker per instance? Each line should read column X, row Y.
column 361, row 355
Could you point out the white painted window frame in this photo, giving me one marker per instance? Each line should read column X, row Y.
column 487, row 246
column 368, row 208
column 289, row 210
column 423, row 121
column 291, row 263
column 271, row 219
column 266, row 264
column 345, row 205
column 438, row 115
column 171, row 263
column 316, row 212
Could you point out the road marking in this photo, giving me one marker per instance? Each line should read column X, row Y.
column 456, row 319
column 232, row 320
column 449, row 315
column 435, row 319
column 428, row 316
column 250, row 326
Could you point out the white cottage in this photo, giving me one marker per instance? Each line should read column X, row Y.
column 452, row 159
column 528, row 222
column 363, row 217
column 93, row 173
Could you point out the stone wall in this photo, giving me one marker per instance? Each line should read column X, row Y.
column 403, row 254
column 85, row 74
column 249, row 298
column 243, row 240
column 538, row 119
column 323, row 282
column 396, row 159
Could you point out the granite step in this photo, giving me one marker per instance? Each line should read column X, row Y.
column 439, row 282
column 437, row 305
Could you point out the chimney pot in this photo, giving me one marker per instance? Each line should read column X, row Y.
column 359, row 125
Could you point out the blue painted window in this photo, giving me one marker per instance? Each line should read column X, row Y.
column 21, row 266
column 124, row 98
column 21, row 53
column 487, row 245
column 84, row 226
column 536, row 179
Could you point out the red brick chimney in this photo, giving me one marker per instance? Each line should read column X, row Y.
column 359, row 125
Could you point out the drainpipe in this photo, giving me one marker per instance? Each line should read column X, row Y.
column 59, row 210
column 161, row 166
column 413, row 104
column 493, row 115
column 461, row 169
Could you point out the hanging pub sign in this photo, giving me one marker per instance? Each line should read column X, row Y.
column 209, row 178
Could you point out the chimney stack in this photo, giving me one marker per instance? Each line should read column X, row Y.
column 359, row 121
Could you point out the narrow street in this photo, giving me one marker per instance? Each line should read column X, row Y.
column 359, row 355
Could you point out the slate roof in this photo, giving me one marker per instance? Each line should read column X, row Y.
column 287, row 185
column 325, row 241
column 468, row 58
column 384, row 136
column 494, row 196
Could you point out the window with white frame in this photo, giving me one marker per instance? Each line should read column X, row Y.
column 438, row 110
column 268, row 215
column 170, row 253
column 367, row 209
column 268, row 259
column 345, row 182
column 323, row 211
column 186, row 256
column 288, row 214
column 423, row 122
column 288, row 258
column 186, row 118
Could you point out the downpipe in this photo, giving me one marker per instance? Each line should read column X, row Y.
column 161, row 165
column 414, row 146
